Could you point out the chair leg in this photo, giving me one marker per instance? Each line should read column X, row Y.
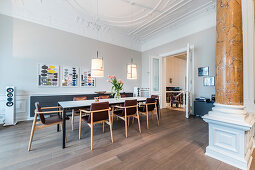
column 151, row 115
column 32, row 133
column 126, row 125
column 110, row 126
column 91, row 145
column 157, row 118
column 80, row 127
column 157, row 115
column 138, row 119
column 133, row 120
column 112, row 116
column 72, row 121
column 147, row 114
column 103, row 127
column 128, row 121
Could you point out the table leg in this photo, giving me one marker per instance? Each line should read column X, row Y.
column 64, row 128
column 58, row 124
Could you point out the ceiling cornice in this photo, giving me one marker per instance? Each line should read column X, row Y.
column 139, row 31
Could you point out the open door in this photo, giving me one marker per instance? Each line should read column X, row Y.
column 155, row 89
column 189, row 75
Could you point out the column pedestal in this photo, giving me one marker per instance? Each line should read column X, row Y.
column 231, row 131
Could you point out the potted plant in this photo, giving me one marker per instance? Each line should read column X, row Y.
column 117, row 86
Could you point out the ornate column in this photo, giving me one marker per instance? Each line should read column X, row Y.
column 229, row 53
column 230, row 126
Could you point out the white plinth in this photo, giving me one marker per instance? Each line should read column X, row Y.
column 231, row 133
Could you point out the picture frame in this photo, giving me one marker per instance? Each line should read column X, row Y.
column 48, row 75
column 209, row 81
column 203, row 71
column 69, row 76
column 86, row 80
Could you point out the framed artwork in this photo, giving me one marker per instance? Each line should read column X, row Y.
column 86, row 79
column 48, row 75
column 69, row 76
column 209, row 81
column 203, row 71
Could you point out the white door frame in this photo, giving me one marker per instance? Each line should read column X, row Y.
column 172, row 53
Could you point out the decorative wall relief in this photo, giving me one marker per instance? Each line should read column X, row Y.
column 48, row 75
column 86, row 79
column 69, row 76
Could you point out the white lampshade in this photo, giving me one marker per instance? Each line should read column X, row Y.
column 97, row 67
column 131, row 72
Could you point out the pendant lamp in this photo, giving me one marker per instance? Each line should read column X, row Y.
column 132, row 71
column 97, row 67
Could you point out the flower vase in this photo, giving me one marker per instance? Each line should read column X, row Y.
column 117, row 95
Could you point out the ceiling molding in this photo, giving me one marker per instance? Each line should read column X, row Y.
column 127, row 23
column 181, row 30
column 201, row 9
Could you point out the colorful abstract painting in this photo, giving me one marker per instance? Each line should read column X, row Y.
column 70, row 76
column 86, row 79
column 48, row 75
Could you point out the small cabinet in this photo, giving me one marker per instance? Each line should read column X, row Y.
column 201, row 108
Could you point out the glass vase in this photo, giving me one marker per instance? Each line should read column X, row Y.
column 117, row 94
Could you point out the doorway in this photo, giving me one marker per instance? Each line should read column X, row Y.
column 174, row 82
column 157, row 70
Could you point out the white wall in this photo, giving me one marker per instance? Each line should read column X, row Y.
column 175, row 69
column 204, row 50
column 23, row 45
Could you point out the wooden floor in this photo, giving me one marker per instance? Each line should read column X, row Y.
column 178, row 143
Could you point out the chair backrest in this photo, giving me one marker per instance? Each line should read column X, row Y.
column 132, row 110
column 151, row 106
column 98, row 116
column 79, row 98
column 104, row 97
column 38, row 109
column 155, row 96
column 174, row 98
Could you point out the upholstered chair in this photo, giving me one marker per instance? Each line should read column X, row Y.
column 76, row 112
column 53, row 118
column 149, row 107
column 104, row 97
column 129, row 110
column 99, row 113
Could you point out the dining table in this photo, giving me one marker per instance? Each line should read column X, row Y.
column 70, row 105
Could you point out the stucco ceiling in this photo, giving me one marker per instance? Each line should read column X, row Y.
column 138, row 20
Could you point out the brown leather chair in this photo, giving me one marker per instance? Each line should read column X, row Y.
column 148, row 107
column 76, row 112
column 44, row 122
column 156, row 97
column 104, row 97
column 99, row 113
column 175, row 101
column 130, row 109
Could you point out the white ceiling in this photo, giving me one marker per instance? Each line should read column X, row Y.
column 134, row 21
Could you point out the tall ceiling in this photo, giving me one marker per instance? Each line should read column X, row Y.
column 139, row 20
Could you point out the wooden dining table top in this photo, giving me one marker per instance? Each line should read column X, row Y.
column 87, row 103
